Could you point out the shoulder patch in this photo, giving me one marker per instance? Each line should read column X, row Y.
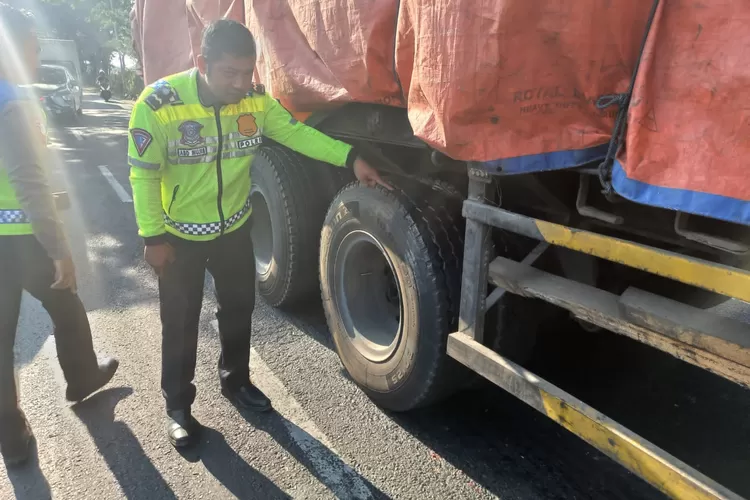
column 258, row 89
column 163, row 94
column 141, row 140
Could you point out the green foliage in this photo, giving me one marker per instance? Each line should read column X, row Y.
column 101, row 28
column 113, row 18
column 98, row 26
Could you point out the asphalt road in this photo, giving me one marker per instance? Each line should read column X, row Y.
column 325, row 439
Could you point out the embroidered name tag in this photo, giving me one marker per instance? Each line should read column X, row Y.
column 249, row 143
column 191, row 153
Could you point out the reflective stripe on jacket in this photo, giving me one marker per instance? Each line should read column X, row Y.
column 190, row 164
column 13, row 220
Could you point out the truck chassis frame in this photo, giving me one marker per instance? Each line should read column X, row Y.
column 717, row 344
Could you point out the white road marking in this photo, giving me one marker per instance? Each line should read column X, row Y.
column 124, row 196
column 78, row 135
column 332, row 471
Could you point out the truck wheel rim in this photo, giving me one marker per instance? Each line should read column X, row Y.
column 368, row 296
column 262, row 233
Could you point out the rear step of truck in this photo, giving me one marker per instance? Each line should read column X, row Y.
column 720, row 345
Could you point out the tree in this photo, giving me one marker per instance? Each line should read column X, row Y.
column 113, row 18
column 100, row 27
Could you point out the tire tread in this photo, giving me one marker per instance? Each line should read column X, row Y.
column 443, row 225
column 304, row 214
column 435, row 224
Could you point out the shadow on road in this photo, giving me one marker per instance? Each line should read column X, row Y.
column 107, row 273
column 100, row 104
column 230, row 469
column 501, row 444
column 134, row 471
column 694, row 415
column 508, row 448
column 28, row 481
column 309, row 318
column 324, row 464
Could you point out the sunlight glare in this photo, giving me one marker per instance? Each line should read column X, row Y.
column 16, row 71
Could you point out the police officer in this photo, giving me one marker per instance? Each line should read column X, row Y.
column 193, row 136
column 34, row 254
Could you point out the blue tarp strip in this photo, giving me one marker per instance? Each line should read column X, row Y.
column 683, row 200
column 546, row 161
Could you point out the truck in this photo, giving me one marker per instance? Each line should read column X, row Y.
column 53, row 52
column 549, row 160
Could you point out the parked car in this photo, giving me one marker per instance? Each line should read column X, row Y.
column 58, row 91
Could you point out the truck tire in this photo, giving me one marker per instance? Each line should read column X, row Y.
column 390, row 276
column 289, row 204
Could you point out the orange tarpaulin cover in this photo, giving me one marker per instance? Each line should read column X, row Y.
column 515, row 80
column 688, row 137
column 160, row 34
column 202, row 12
column 482, row 80
column 167, row 33
column 334, row 51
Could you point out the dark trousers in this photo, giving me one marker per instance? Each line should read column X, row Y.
column 24, row 265
column 230, row 261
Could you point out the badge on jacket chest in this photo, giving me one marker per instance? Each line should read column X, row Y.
column 247, row 126
column 191, row 137
column 191, row 133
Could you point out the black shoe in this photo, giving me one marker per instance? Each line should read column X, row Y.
column 99, row 379
column 16, row 448
column 182, row 429
column 248, row 397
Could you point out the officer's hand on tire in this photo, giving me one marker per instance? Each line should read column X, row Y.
column 65, row 275
column 368, row 175
column 159, row 257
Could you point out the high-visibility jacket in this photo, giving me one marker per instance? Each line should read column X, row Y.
column 13, row 220
column 190, row 164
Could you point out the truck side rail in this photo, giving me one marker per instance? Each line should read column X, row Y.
column 659, row 468
column 717, row 344
column 729, row 281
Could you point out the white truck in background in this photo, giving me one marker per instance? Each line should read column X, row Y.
column 62, row 53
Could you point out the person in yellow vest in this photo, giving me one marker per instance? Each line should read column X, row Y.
column 34, row 253
column 193, row 136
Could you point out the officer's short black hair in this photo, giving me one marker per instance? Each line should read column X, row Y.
column 15, row 24
column 226, row 37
